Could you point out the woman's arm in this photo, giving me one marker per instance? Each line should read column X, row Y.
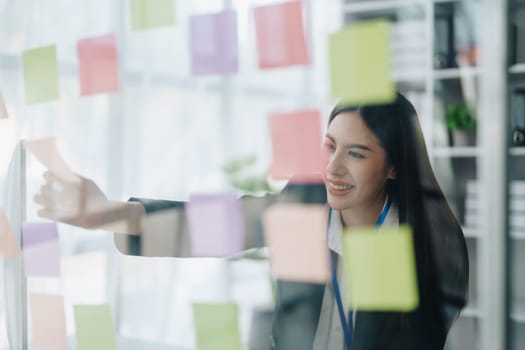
column 165, row 230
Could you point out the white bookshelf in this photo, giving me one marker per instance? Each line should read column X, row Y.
column 517, row 68
column 471, row 232
column 517, row 151
column 457, row 151
column 379, row 5
column 470, row 312
column 456, row 73
column 517, row 312
column 475, row 329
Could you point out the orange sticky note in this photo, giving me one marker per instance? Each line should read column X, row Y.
column 280, row 35
column 98, row 67
column 296, row 146
column 296, row 237
column 3, row 108
column 9, row 247
column 48, row 321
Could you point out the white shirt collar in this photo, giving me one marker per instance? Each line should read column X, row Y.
column 335, row 228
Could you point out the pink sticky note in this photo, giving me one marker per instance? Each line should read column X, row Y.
column 296, row 237
column 216, row 225
column 3, row 108
column 9, row 248
column 296, row 146
column 98, row 64
column 214, row 43
column 48, row 321
column 280, row 35
column 41, row 249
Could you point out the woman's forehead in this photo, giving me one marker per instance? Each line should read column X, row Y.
column 349, row 127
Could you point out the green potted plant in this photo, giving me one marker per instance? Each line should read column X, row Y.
column 241, row 176
column 461, row 125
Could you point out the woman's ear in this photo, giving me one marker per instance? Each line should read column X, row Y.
column 392, row 173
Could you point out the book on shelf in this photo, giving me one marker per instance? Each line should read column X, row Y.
column 516, row 206
column 408, row 48
column 518, row 35
column 516, row 187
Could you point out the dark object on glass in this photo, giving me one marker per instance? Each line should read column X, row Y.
column 518, row 37
column 444, row 56
column 518, row 137
column 461, row 125
column 517, row 112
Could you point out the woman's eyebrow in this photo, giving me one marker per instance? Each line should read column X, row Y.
column 352, row 145
column 360, row 146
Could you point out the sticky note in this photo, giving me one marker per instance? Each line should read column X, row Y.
column 297, row 146
column 360, row 64
column 41, row 249
column 46, row 151
column 280, row 35
column 48, row 321
column 213, row 42
column 216, row 326
column 40, row 74
column 97, row 59
column 94, row 327
column 9, row 248
column 296, row 237
column 147, row 14
column 379, row 269
column 216, row 224
column 3, row 108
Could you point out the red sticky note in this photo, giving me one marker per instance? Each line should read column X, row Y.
column 280, row 35
column 97, row 58
column 297, row 146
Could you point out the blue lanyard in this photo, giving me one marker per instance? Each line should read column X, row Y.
column 348, row 325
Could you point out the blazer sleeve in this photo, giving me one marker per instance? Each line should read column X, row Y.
column 166, row 233
column 165, row 227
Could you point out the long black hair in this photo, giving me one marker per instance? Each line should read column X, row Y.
column 440, row 247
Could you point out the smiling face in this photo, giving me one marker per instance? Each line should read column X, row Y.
column 357, row 169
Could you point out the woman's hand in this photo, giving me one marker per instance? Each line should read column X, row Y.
column 83, row 204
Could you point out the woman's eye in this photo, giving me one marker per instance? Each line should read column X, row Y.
column 355, row 155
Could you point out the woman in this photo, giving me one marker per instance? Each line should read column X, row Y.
column 377, row 170
column 377, row 156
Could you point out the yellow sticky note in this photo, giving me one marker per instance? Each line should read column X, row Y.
column 379, row 269
column 360, row 63
column 40, row 74
column 296, row 237
column 217, row 326
column 147, row 14
column 94, row 327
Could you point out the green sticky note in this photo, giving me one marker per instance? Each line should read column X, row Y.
column 379, row 269
column 146, row 14
column 360, row 64
column 217, row 326
column 94, row 327
column 40, row 74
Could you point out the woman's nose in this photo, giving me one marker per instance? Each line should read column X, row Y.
column 334, row 165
